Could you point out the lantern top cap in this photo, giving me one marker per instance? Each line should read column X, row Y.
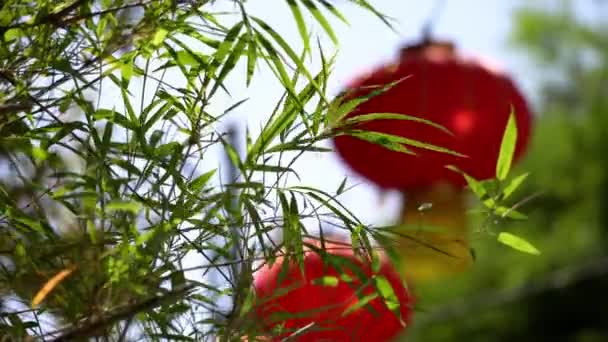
column 428, row 44
column 431, row 49
column 443, row 50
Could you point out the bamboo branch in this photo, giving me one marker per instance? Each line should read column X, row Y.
column 90, row 325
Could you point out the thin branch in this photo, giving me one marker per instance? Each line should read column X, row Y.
column 88, row 326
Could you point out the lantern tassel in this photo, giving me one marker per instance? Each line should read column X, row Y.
column 433, row 227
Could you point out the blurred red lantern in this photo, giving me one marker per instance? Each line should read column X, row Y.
column 315, row 300
column 473, row 101
column 466, row 96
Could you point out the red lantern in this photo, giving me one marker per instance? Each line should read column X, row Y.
column 468, row 97
column 319, row 307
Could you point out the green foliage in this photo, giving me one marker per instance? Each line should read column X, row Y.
column 123, row 194
column 517, row 243
column 507, row 149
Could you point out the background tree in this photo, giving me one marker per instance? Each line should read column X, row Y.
column 558, row 296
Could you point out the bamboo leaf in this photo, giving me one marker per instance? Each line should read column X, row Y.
column 199, row 182
column 395, row 142
column 385, row 289
column 119, row 205
column 316, row 13
column 297, row 15
column 329, row 281
column 517, row 243
column 514, row 185
column 252, row 55
column 507, row 148
column 330, row 7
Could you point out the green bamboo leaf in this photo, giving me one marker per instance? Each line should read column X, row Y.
column 514, row 185
column 280, row 123
column 330, row 7
column 509, row 212
column 366, row 5
column 475, row 185
column 302, row 29
column 292, row 55
column 507, row 148
column 314, row 10
column 247, row 185
column 341, row 186
column 292, row 238
column 517, row 243
column 233, row 156
column 329, row 281
column 392, row 116
column 223, row 50
column 326, row 200
column 166, row 149
column 197, row 184
column 126, row 71
column 107, row 138
column 126, row 165
column 392, row 141
column 24, row 220
column 320, row 110
column 279, row 68
column 252, row 56
column 159, row 36
column 345, row 266
column 295, row 146
column 210, row 42
column 12, row 34
column 132, row 117
column 385, row 289
column 118, row 205
column 274, row 168
column 230, row 62
column 149, row 121
column 359, row 304
column 340, row 108
column 259, row 228
column 39, row 154
column 184, row 57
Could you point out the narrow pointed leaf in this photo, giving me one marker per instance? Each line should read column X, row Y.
column 507, row 148
column 517, row 243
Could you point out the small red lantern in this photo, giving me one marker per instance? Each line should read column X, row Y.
column 318, row 308
column 468, row 97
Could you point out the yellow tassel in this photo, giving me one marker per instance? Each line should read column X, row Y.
column 434, row 226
